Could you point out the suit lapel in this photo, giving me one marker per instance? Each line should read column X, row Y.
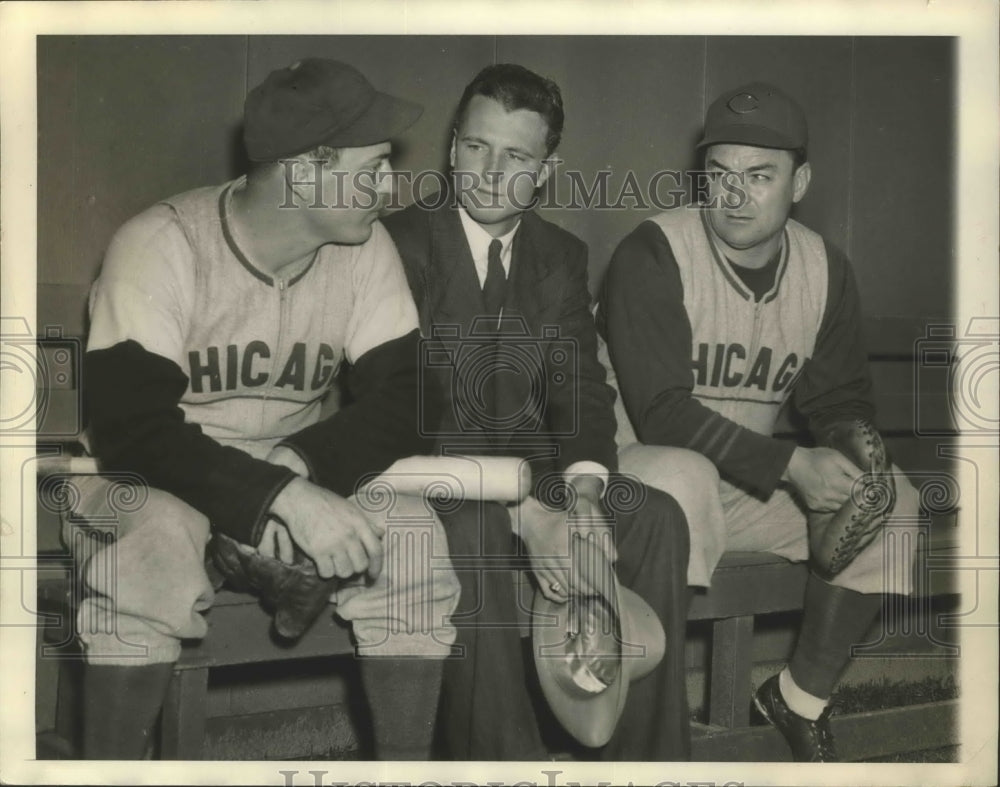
column 456, row 296
column 529, row 290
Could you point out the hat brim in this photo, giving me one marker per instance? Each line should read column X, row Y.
column 385, row 118
column 592, row 718
column 754, row 136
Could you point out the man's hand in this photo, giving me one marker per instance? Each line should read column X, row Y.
column 552, row 538
column 588, row 517
column 287, row 457
column 333, row 531
column 276, row 542
column 824, row 477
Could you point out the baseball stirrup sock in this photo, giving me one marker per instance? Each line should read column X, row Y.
column 403, row 699
column 121, row 705
column 798, row 701
column 833, row 620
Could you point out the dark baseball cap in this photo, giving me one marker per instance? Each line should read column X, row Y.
column 758, row 114
column 319, row 102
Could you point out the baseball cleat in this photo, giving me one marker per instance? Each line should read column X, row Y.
column 810, row 741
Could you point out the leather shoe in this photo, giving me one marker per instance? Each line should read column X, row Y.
column 810, row 741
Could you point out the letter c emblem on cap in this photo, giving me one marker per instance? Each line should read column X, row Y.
column 743, row 103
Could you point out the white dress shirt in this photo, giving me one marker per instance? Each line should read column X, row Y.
column 479, row 243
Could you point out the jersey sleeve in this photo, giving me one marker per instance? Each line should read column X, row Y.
column 146, row 287
column 835, row 384
column 380, row 424
column 646, row 326
column 383, row 307
column 134, row 382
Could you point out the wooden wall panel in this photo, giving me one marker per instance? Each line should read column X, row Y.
column 124, row 121
column 134, row 119
column 633, row 103
column 903, row 191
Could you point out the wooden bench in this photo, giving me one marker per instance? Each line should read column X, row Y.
column 239, row 632
column 748, row 584
column 744, row 585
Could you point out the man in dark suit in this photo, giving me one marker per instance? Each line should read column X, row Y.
column 504, row 305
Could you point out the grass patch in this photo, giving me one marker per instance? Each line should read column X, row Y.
column 944, row 754
column 883, row 693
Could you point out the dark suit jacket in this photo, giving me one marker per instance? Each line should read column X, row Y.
column 547, row 398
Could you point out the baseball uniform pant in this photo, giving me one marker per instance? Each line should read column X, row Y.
column 724, row 518
column 141, row 554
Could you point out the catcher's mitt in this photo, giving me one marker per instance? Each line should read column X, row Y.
column 859, row 520
column 296, row 594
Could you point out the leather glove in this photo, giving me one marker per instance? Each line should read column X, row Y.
column 862, row 516
column 296, row 594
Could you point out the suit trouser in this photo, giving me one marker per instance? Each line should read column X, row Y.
column 143, row 571
column 486, row 711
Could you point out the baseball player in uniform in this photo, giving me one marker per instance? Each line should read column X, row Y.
column 218, row 323
column 715, row 315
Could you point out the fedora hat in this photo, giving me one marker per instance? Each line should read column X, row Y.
column 588, row 650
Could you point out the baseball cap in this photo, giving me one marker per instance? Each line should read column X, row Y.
column 756, row 114
column 319, row 102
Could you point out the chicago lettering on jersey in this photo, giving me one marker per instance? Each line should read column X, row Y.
column 234, row 367
column 727, row 366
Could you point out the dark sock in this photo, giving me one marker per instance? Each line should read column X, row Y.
column 121, row 705
column 834, row 619
column 403, row 699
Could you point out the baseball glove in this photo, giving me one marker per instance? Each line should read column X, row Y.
column 296, row 594
column 860, row 519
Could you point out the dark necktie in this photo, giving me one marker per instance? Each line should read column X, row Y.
column 495, row 286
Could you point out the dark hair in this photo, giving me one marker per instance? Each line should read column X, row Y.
column 515, row 87
column 328, row 155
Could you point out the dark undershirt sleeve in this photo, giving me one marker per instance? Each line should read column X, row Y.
column 380, row 424
column 835, row 384
column 136, row 425
column 649, row 340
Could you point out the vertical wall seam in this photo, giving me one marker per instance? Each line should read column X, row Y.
column 852, row 130
column 704, row 76
column 74, row 229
